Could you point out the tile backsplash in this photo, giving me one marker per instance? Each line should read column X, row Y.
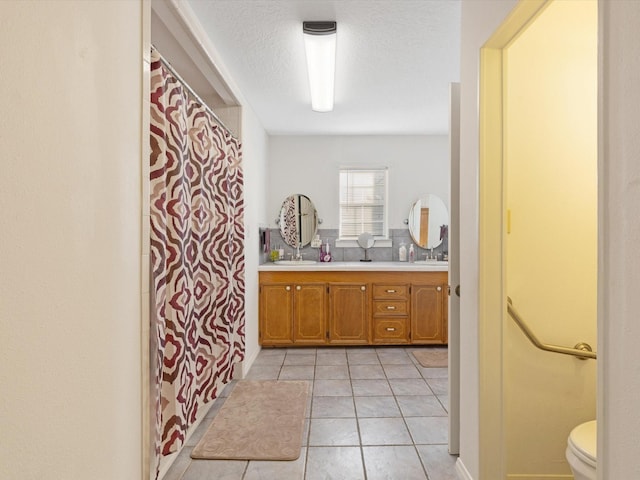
column 351, row 254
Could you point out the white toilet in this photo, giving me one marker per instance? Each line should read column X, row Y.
column 581, row 451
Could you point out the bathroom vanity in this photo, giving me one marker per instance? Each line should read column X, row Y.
column 353, row 303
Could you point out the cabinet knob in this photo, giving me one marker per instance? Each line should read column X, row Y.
column 390, row 307
column 391, row 291
column 391, row 329
column 363, row 288
column 439, row 288
column 287, row 288
column 298, row 287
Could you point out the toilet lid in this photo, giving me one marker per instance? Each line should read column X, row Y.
column 582, row 441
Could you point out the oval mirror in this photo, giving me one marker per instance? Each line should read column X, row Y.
column 298, row 220
column 427, row 218
column 366, row 241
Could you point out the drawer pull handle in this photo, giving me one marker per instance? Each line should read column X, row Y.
column 391, row 329
column 391, row 291
column 298, row 287
column 287, row 288
column 390, row 307
column 363, row 288
column 439, row 288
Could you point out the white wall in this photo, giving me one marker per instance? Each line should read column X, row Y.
column 619, row 278
column 479, row 20
column 309, row 165
column 254, row 156
column 70, row 236
column 551, row 248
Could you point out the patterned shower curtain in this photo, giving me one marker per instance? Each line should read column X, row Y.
column 197, row 257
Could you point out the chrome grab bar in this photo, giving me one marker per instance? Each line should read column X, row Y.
column 582, row 350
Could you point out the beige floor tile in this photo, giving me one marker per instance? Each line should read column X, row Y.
column 437, row 461
column 218, row 469
column 334, row 463
column 371, row 387
column 332, row 388
column 409, row 386
column 392, row 463
column 367, row 407
column 384, row 431
column 366, row 372
column 401, row 371
column 332, row 372
column 428, row 430
column 420, row 406
column 333, row 407
column 290, row 470
column 332, row 432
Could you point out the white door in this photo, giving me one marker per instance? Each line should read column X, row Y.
column 454, row 271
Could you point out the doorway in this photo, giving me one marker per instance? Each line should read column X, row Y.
column 538, row 233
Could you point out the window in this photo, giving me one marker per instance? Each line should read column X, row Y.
column 363, row 202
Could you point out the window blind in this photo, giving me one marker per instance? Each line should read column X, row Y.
column 363, row 208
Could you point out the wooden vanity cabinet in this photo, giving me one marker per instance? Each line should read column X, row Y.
column 390, row 313
column 309, row 313
column 292, row 313
column 352, row 308
column 348, row 314
column 276, row 314
column 428, row 313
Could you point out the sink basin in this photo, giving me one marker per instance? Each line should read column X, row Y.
column 295, row 262
column 431, row 262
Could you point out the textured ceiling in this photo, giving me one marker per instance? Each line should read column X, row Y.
column 395, row 60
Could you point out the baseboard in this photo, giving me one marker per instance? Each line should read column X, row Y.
column 247, row 363
column 530, row 476
column 461, row 471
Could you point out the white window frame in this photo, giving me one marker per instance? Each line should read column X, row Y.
column 381, row 240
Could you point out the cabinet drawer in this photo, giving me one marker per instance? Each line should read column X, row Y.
column 390, row 307
column 390, row 291
column 391, row 330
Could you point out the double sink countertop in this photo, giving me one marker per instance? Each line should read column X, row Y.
column 312, row 266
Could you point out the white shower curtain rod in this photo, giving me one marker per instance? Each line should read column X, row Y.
column 192, row 92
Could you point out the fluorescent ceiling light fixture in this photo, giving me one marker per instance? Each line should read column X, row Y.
column 320, row 46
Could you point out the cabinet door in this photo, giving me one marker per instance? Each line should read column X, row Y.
column 428, row 314
column 349, row 316
column 309, row 312
column 276, row 314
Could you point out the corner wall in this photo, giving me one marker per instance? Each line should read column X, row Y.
column 70, row 236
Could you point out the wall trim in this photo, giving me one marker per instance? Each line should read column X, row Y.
column 461, row 470
column 248, row 362
column 527, row 476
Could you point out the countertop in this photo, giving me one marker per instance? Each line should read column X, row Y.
column 358, row 267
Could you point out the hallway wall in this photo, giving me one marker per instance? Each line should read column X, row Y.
column 70, row 237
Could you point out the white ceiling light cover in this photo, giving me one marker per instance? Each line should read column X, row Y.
column 320, row 48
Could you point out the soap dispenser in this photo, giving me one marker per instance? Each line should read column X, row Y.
column 402, row 253
column 327, row 252
column 412, row 254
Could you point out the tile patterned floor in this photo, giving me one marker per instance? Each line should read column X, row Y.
column 375, row 414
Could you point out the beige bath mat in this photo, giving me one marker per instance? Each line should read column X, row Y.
column 432, row 358
column 261, row 420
